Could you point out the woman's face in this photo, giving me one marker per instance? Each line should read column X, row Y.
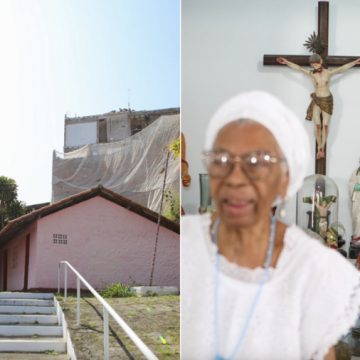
column 241, row 201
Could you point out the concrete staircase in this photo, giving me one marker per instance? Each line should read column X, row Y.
column 30, row 322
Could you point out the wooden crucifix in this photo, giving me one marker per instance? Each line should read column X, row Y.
column 303, row 60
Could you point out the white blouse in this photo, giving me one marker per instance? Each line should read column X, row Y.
column 311, row 299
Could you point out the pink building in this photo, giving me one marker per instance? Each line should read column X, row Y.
column 105, row 236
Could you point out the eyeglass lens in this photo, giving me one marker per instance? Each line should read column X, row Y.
column 255, row 165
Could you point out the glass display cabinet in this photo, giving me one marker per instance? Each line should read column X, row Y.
column 317, row 208
column 205, row 198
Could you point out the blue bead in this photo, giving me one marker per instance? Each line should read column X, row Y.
column 219, row 357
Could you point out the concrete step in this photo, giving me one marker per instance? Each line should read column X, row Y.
column 30, row 330
column 25, row 295
column 28, row 324
column 26, row 302
column 7, row 309
column 32, row 345
column 9, row 319
column 33, row 356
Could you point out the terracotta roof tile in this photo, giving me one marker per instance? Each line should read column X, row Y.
column 13, row 227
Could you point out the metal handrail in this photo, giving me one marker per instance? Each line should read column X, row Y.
column 107, row 309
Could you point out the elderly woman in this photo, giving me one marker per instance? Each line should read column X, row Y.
column 251, row 286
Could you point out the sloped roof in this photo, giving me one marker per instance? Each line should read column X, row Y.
column 13, row 227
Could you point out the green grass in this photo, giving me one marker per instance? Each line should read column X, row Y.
column 50, row 352
column 131, row 313
column 149, row 317
column 117, row 290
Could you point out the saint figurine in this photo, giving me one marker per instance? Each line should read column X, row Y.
column 355, row 198
column 322, row 100
column 323, row 209
column 322, row 205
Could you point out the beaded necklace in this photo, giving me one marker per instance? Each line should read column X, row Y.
column 255, row 301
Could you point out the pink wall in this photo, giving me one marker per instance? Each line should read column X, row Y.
column 105, row 243
column 16, row 260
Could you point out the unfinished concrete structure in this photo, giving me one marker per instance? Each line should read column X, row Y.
column 124, row 151
column 109, row 127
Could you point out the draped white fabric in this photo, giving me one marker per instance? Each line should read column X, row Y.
column 133, row 167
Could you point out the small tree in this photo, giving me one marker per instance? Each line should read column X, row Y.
column 172, row 205
column 174, row 147
column 10, row 206
column 171, row 196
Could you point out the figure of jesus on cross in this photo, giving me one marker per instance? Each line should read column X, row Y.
column 321, row 105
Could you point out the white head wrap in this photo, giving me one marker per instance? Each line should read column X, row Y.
column 286, row 128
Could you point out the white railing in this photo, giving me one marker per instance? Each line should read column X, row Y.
column 66, row 335
column 107, row 309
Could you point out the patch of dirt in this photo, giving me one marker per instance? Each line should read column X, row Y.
column 154, row 319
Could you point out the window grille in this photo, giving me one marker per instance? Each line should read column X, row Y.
column 60, row 239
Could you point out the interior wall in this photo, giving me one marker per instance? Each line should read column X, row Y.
column 223, row 44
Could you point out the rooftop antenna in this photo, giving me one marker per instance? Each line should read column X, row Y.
column 129, row 107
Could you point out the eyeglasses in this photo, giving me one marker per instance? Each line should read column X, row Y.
column 256, row 165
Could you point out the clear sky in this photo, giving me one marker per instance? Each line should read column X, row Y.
column 78, row 57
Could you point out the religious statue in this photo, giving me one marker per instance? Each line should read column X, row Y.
column 355, row 198
column 322, row 205
column 321, row 105
column 332, row 238
column 323, row 209
column 184, row 170
column 185, row 177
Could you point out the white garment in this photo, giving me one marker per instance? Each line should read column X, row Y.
column 311, row 299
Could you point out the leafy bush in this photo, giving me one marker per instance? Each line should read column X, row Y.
column 174, row 147
column 10, row 206
column 172, row 205
column 117, row 290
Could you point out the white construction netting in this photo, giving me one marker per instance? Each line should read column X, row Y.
column 133, row 167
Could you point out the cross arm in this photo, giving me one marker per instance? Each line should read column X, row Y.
column 302, row 60
column 340, row 60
